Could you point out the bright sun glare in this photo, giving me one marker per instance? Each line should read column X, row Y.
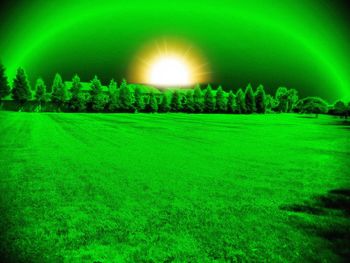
column 169, row 63
column 170, row 70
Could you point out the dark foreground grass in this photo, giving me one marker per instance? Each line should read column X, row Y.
column 174, row 187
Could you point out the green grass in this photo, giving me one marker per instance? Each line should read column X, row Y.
column 170, row 187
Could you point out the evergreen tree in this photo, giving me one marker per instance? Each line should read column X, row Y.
column 114, row 102
column 5, row 89
column 126, row 97
column 59, row 92
column 21, row 92
column 76, row 86
column 231, row 102
column 112, row 87
column 260, row 99
column 250, row 99
column 75, row 103
column 189, row 106
column 83, row 99
column 198, row 100
column 176, row 105
column 183, row 101
column 95, row 87
column 282, row 99
column 152, row 105
column 240, row 100
column 99, row 100
column 209, row 100
column 139, row 100
column 166, row 101
column 221, row 101
column 40, row 92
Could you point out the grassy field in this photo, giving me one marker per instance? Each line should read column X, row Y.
column 173, row 187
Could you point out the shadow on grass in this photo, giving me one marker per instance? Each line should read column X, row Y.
column 307, row 116
column 344, row 122
column 333, row 219
column 338, row 122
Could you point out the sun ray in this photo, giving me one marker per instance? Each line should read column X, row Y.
column 165, row 46
column 203, row 73
column 187, row 52
column 144, row 61
column 158, row 48
column 200, row 66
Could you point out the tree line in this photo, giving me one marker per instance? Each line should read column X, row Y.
column 123, row 98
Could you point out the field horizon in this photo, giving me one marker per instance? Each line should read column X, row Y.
column 87, row 187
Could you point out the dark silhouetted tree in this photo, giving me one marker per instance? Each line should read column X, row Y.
column 313, row 105
column 250, row 99
column 240, row 100
column 198, row 100
column 5, row 89
column 75, row 91
column 270, row 102
column 282, row 99
column 126, row 96
column 189, row 105
column 292, row 99
column 260, row 99
column 40, row 93
column 139, row 100
column 340, row 109
column 59, row 92
column 176, row 105
column 231, row 102
column 209, row 100
column 166, row 101
column 221, row 101
column 152, row 105
column 21, row 92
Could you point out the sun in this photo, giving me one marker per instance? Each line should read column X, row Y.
column 170, row 71
column 169, row 63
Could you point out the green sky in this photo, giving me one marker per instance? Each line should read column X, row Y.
column 298, row 44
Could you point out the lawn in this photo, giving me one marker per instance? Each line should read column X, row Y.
column 173, row 187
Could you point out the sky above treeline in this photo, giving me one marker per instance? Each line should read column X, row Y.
column 297, row 44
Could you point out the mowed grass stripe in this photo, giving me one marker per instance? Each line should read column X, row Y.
column 123, row 187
